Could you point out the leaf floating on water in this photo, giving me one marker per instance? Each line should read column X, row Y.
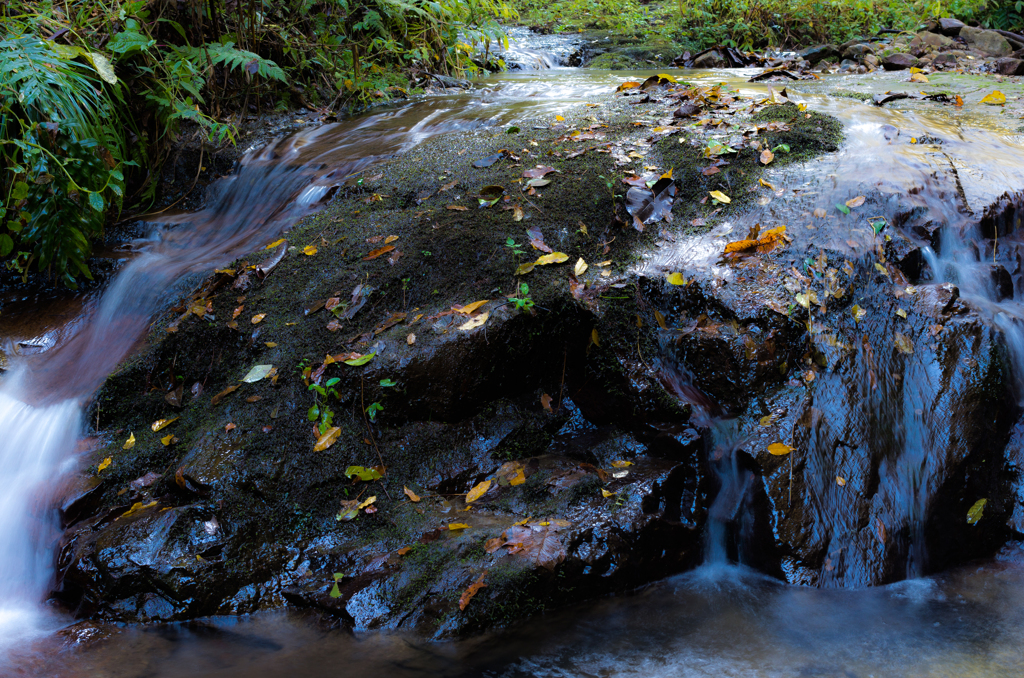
column 478, row 491
column 130, row 443
column 675, row 279
column 779, row 449
column 106, row 462
column 161, row 424
column 995, row 98
column 476, row 322
column 377, row 252
column 257, row 373
column 468, row 594
column 855, row 202
column 720, row 197
column 580, row 268
column 904, row 344
column 223, row 394
column 258, row 318
column 309, row 250
column 329, row 437
column 975, row 512
column 413, row 497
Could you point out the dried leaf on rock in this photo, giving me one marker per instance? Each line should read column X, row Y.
column 855, row 202
column 106, row 462
column 767, row 156
column 553, row 258
column 457, row 526
column 478, row 491
column 377, row 252
column 540, row 544
column 309, row 250
column 457, row 208
column 779, row 449
column 538, row 172
column 468, row 594
column 223, row 394
column 720, row 197
column 580, row 268
column 475, row 322
column 161, row 424
column 490, row 160
column 329, row 437
column 470, row 308
column 257, row 373
column 367, row 502
column 995, row 98
column 130, row 443
column 606, row 494
column 169, row 439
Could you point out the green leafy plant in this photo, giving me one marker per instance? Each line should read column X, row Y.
column 521, row 300
column 320, row 411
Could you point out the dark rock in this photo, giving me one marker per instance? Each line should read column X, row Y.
column 813, row 55
column 1003, row 217
column 687, row 110
column 899, row 61
column 858, row 51
column 1008, row 66
column 1002, row 283
column 927, row 41
column 712, row 59
column 947, row 27
column 945, row 60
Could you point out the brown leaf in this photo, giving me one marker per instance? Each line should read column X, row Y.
column 855, row 202
column 538, row 172
column 377, row 252
column 819, row 212
column 767, row 156
column 329, row 437
column 258, row 318
column 539, row 544
column 413, row 497
column 468, row 594
column 545, row 402
column 457, row 208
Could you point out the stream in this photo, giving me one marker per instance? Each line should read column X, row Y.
column 723, row 619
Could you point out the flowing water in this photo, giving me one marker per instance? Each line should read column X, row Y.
column 720, row 620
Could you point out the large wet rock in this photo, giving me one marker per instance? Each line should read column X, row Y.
column 986, row 41
column 899, row 61
column 1008, row 66
column 813, row 55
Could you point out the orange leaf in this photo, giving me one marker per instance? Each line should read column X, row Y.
column 379, row 251
column 478, row 491
column 545, row 401
column 468, row 594
column 412, row 495
column 327, row 439
column 469, row 308
column 256, row 319
column 223, row 394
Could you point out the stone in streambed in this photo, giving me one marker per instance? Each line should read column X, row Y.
column 986, row 42
column 858, row 51
column 900, row 61
column 1008, row 66
column 813, row 55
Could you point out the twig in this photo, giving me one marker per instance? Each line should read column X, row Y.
column 362, row 402
column 561, row 386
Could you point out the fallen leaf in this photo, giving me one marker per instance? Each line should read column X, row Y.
column 457, row 208
column 675, row 279
column 168, row 440
column 390, row 239
column 223, row 394
column 559, row 118
column 257, row 373
column 363, row 473
column 309, row 250
column 766, row 184
column 975, row 512
column 258, row 318
column 594, row 339
column 478, row 491
column 995, row 98
column 517, row 212
column 404, row 550
column 130, row 443
column 360, row 360
column 274, row 244
column 606, row 494
column 767, row 156
column 858, row 312
column 229, row 427
column 104, row 464
column 137, row 507
column 349, row 510
column 553, row 258
column 469, row 308
column 457, row 526
column 621, row 463
column 489, row 160
column 904, row 344
column 720, row 197
column 768, row 239
column 545, row 402
column 855, row 202
column 819, row 212
column 468, row 594
column 329, row 437
column 377, row 252
column 918, row 77
column 661, row 319
column 959, row 101
column 369, row 500
column 476, row 322
column 413, row 497
column 538, row 172
column 779, row 449
column 523, row 269
column 161, row 424
column 410, row 339
column 580, row 268
column 840, row 481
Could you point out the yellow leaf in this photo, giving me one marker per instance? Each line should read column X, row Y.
column 855, row 202
column 766, row 184
column 168, row 440
column 594, row 339
column 975, row 512
column 840, row 481
column 621, row 464
column 104, row 464
column 858, row 312
column 130, row 443
column 413, row 497
column 469, row 308
column 518, row 479
column 327, row 439
column 390, row 239
column 628, row 85
column 779, row 449
column 605, row 493
column 675, row 279
column 882, row 269
column 160, row 424
column 369, row 500
column 667, row 175
column 476, row 322
column 581, row 267
column 996, row 98
column 559, row 118
column 458, row 526
column 904, row 343
column 309, row 250
column 138, row 507
column 661, row 319
column 553, row 258
column 275, row 244
column 918, row 77
column 767, row 420
column 256, row 319
column 521, row 522
column 478, row 491
column 959, row 101
column 720, row 197
column 525, row 268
